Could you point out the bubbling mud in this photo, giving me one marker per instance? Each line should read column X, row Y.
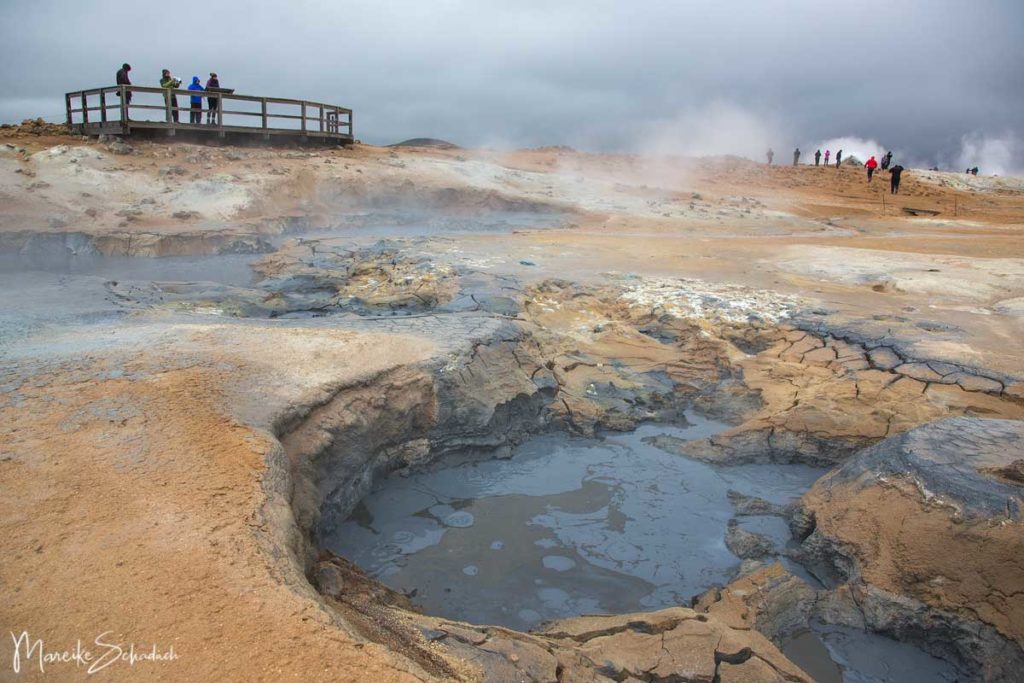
column 564, row 527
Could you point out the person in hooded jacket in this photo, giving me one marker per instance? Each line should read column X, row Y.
column 828, row 153
column 196, row 115
column 871, row 165
column 122, row 79
column 211, row 113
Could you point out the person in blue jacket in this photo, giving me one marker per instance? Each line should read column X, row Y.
column 196, row 115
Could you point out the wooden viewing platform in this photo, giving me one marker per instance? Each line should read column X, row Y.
column 150, row 111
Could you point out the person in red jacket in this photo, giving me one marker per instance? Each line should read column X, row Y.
column 871, row 166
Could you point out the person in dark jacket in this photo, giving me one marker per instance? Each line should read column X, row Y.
column 894, row 178
column 170, row 83
column 839, row 158
column 122, row 79
column 770, row 155
column 796, row 156
column 886, row 160
column 211, row 113
column 196, row 115
column 817, row 158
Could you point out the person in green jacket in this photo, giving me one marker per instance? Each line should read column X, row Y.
column 170, row 83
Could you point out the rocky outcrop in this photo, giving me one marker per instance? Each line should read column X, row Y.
column 676, row 644
column 771, row 600
column 926, row 542
column 747, row 545
column 309, row 276
column 824, row 397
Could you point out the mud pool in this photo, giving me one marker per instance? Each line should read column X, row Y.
column 227, row 269
column 564, row 527
column 839, row 654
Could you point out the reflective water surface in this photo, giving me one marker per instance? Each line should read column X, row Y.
column 564, row 527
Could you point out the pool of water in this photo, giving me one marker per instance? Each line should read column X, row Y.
column 564, row 527
column 839, row 654
column 227, row 269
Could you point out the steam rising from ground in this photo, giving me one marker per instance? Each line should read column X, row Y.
column 719, row 128
column 852, row 147
column 992, row 155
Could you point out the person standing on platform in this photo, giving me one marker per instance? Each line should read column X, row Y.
column 211, row 84
column 828, row 153
column 196, row 114
column 817, row 158
column 170, row 84
column 122, row 79
column 839, row 158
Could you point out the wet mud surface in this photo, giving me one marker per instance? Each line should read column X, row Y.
column 564, row 527
column 837, row 654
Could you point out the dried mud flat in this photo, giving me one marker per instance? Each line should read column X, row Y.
column 173, row 448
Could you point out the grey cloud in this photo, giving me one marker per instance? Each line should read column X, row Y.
column 915, row 74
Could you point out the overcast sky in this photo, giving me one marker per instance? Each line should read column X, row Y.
column 673, row 76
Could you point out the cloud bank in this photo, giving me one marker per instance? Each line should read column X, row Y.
column 704, row 76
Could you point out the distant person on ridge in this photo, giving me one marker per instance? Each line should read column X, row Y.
column 817, row 158
column 770, row 155
column 196, row 115
column 122, row 79
column 796, row 156
column 839, row 158
column 894, row 179
column 974, row 171
column 170, row 83
column 827, row 153
column 211, row 83
column 871, row 165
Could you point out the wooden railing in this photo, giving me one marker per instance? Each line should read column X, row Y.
column 123, row 107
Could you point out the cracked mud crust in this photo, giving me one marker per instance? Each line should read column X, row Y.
column 170, row 449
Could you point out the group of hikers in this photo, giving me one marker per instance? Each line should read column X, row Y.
column 170, row 84
column 895, row 172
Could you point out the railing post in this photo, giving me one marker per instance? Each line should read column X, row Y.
column 85, row 109
column 220, row 114
column 321, row 118
column 303, row 118
column 67, row 106
column 168, row 97
column 103, row 106
column 263, row 109
column 124, row 104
